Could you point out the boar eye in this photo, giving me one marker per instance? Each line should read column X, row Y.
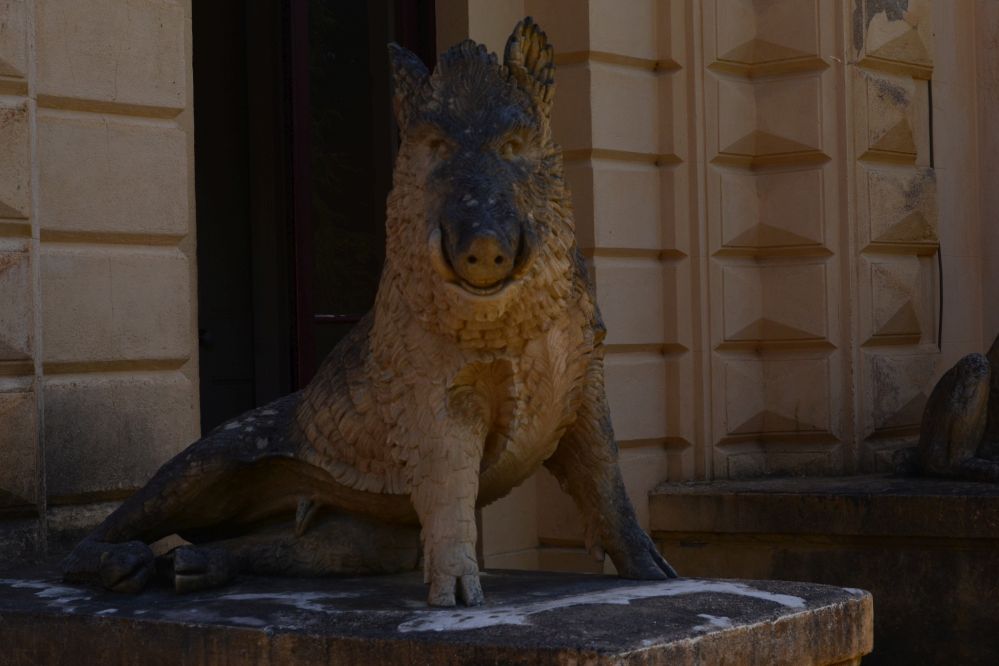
column 512, row 148
column 439, row 147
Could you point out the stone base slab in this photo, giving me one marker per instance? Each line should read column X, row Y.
column 529, row 617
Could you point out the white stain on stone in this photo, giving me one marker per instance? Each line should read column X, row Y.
column 307, row 601
column 58, row 596
column 714, row 623
column 248, row 621
column 479, row 618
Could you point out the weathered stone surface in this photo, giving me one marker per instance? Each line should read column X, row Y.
column 530, row 618
column 108, row 51
column 16, row 321
column 954, row 419
column 989, row 448
column 106, row 175
column 18, row 449
column 927, row 549
column 15, row 169
column 19, row 539
column 97, row 304
column 13, row 38
column 111, row 433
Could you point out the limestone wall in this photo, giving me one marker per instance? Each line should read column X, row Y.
column 776, row 197
column 98, row 368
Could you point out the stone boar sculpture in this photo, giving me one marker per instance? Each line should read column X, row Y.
column 959, row 433
column 481, row 360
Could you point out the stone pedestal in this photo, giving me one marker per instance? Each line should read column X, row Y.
column 927, row 549
column 536, row 618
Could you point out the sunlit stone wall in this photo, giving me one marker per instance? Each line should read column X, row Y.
column 98, row 379
column 775, row 198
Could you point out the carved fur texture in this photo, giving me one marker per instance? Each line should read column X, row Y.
column 481, row 361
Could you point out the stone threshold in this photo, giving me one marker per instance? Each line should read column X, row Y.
column 870, row 505
column 530, row 617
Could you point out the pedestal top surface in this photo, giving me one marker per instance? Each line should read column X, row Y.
column 529, row 616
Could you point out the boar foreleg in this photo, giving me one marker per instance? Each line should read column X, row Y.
column 585, row 463
column 445, row 487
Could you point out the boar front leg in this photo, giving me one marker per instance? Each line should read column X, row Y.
column 585, row 463
column 445, row 487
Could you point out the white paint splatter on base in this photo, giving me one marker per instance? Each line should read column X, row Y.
column 307, row 601
column 59, row 596
column 478, row 618
column 713, row 623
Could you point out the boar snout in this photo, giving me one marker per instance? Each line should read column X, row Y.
column 484, row 260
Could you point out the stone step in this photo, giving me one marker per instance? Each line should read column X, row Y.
column 529, row 617
column 927, row 549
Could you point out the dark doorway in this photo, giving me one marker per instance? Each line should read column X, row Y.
column 294, row 142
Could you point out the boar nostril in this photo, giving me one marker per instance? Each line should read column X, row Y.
column 485, row 260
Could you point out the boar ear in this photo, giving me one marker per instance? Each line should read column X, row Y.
column 530, row 61
column 409, row 78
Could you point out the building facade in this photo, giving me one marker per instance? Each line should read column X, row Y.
column 788, row 209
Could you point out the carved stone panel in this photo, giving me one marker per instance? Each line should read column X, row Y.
column 16, row 322
column 15, row 166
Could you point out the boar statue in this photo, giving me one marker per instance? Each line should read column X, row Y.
column 959, row 432
column 481, row 360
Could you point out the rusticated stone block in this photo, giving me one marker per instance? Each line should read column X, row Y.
column 15, row 303
column 895, row 35
column 571, row 115
column 775, row 302
column 636, row 391
column 116, row 304
column 627, row 205
column 776, row 395
column 15, row 170
column 13, row 38
column 901, row 205
column 892, row 118
column 638, row 319
column 771, row 210
column 111, row 433
column 18, row 449
column 110, row 51
column 766, row 120
column 103, row 175
column 628, row 29
column 896, row 388
column 634, row 126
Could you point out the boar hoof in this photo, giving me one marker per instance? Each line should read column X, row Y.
column 200, row 568
column 126, row 567
column 645, row 563
column 444, row 589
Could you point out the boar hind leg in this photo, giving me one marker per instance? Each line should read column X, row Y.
column 229, row 480
column 337, row 543
column 585, row 463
